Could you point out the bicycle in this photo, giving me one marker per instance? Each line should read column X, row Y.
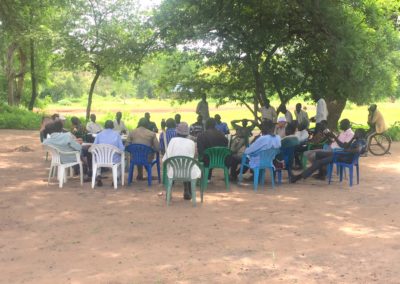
column 378, row 144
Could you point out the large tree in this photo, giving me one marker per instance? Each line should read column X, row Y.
column 339, row 50
column 106, row 38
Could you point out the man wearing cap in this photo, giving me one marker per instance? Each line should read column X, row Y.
column 181, row 145
column 280, row 128
column 142, row 135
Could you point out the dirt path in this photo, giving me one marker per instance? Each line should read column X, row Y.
column 304, row 233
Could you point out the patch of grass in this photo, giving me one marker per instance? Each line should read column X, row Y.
column 19, row 118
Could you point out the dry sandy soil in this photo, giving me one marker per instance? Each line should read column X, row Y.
column 309, row 232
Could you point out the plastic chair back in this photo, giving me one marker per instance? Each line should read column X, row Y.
column 217, row 156
column 181, row 166
column 102, row 154
column 267, row 157
column 140, row 154
column 55, row 154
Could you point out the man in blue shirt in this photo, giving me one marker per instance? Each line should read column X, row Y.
column 110, row 137
column 221, row 126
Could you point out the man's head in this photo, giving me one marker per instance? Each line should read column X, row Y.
column 217, row 118
column 142, row 122
column 282, row 108
column 281, row 121
column 199, row 119
column 245, row 122
column 182, row 129
column 54, row 127
column 359, row 133
column 316, row 97
column 267, row 103
column 203, row 97
column 344, row 124
column 170, row 123
column 75, row 121
column 298, row 107
column 109, row 124
column 320, row 127
column 147, row 116
column 55, row 116
column 210, row 123
column 118, row 116
column 93, row 117
column 267, row 127
column 372, row 108
column 290, row 129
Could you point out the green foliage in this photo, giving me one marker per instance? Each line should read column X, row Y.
column 13, row 117
column 394, row 131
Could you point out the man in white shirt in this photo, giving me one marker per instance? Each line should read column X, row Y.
column 119, row 125
column 301, row 116
column 92, row 127
column 321, row 111
column 181, row 145
column 268, row 112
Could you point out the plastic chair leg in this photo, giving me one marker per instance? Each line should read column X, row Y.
column 330, row 167
column 351, row 175
column 241, row 173
column 50, row 174
column 115, row 176
column 122, row 165
column 340, row 173
column 149, row 175
column 61, row 173
column 94, row 175
column 193, row 190
column 280, row 177
column 262, row 177
column 205, row 177
column 255, row 180
column 169, row 187
column 81, row 172
column 226, row 176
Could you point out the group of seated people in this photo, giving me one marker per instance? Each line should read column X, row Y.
column 177, row 138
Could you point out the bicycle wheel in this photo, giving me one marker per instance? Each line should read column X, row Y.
column 379, row 144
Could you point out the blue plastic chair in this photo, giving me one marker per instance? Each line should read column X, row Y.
column 266, row 162
column 288, row 157
column 140, row 157
column 342, row 166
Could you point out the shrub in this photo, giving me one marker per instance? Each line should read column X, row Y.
column 65, row 102
column 394, row 131
column 19, row 118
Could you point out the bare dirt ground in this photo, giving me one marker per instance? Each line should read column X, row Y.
column 309, row 232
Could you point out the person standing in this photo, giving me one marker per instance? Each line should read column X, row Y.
column 321, row 111
column 119, row 125
column 202, row 108
column 301, row 116
column 288, row 115
column 375, row 120
column 268, row 112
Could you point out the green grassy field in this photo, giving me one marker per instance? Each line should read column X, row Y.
column 134, row 109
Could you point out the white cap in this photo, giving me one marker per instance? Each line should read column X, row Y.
column 282, row 119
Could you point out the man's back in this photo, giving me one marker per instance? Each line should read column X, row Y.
column 211, row 138
column 144, row 136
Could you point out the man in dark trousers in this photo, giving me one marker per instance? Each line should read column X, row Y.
column 210, row 138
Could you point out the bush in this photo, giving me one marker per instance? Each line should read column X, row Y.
column 65, row 102
column 19, row 118
column 394, row 131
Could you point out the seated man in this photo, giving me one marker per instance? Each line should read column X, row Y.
column 92, row 127
column 280, row 128
column 244, row 131
column 208, row 139
column 221, row 126
column 323, row 158
column 119, row 125
column 181, row 145
column 197, row 128
column 77, row 128
column 150, row 125
column 110, row 137
column 345, row 136
column 142, row 135
column 167, row 135
column 266, row 141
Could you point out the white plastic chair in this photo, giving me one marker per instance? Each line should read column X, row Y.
column 61, row 168
column 102, row 157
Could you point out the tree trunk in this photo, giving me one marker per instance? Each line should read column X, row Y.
column 10, row 73
column 20, row 76
column 33, row 75
column 335, row 109
column 90, row 97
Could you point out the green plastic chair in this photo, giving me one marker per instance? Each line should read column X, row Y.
column 216, row 156
column 182, row 169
